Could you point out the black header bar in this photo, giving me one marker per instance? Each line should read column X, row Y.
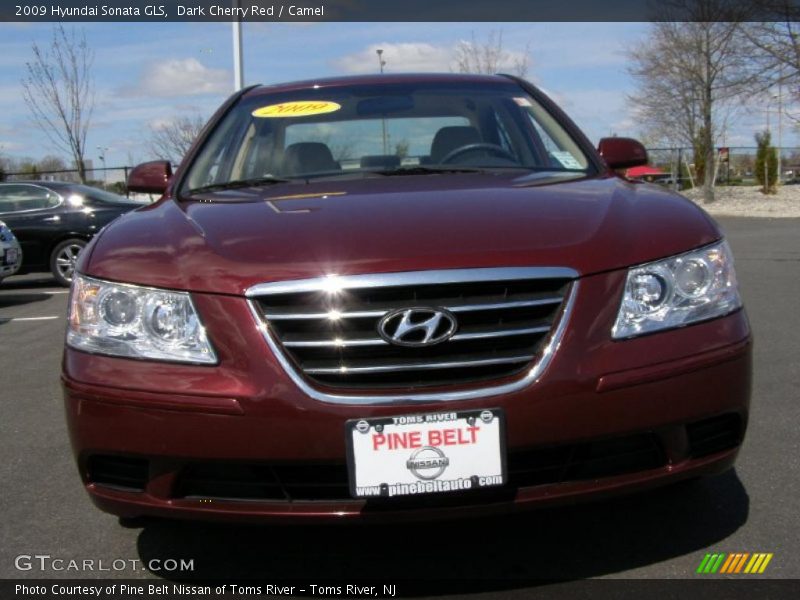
column 398, row 10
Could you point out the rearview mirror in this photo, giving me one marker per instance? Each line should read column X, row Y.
column 622, row 153
column 150, row 177
column 383, row 105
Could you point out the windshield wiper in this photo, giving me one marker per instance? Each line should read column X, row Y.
column 424, row 170
column 546, row 177
column 238, row 183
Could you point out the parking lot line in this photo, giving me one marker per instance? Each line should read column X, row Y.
column 29, row 318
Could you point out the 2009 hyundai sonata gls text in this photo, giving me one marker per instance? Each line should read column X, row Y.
column 400, row 296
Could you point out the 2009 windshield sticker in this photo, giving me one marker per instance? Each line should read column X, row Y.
column 300, row 108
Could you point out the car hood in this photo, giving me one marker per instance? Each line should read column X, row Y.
column 227, row 241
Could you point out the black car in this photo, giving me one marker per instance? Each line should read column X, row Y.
column 53, row 221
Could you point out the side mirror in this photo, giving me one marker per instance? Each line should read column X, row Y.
column 622, row 153
column 150, row 177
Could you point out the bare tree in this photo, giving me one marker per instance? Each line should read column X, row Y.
column 490, row 57
column 9, row 164
column 690, row 70
column 774, row 46
column 172, row 140
column 28, row 168
column 4, row 165
column 51, row 163
column 59, row 90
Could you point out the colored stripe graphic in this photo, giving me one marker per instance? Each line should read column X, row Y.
column 734, row 563
column 715, row 564
column 712, row 558
column 727, row 564
column 730, row 564
column 755, row 562
column 765, row 563
column 719, row 562
column 703, row 563
column 740, row 564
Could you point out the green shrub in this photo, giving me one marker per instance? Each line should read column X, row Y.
column 766, row 166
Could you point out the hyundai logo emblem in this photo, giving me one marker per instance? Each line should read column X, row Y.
column 417, row 327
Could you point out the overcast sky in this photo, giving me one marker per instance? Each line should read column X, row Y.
column 149, row 73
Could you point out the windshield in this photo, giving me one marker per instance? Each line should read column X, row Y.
column 385, row 129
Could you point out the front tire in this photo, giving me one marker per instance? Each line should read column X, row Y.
column 64, row 258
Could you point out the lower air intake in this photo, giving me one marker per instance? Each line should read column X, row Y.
column 119, row 472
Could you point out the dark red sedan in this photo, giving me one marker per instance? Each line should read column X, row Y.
column 404, row 296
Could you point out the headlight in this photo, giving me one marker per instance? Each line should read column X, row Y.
column 5, row 233
column 127, row 320
column 677, row 291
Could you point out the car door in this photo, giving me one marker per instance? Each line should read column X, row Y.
column 105, row 206
column 96, row 208
column 32, row 213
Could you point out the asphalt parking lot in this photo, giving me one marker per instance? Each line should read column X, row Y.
column 661, row 534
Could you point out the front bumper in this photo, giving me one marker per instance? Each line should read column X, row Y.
column 8, row 268
column 606, row 417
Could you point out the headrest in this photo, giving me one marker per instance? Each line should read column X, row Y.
column 308, row 157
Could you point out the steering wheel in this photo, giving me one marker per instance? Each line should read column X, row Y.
column 491, row 148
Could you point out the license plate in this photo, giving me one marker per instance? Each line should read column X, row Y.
column 426, row 453
column 11, row 256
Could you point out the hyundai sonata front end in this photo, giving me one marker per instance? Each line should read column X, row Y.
column 406, row 296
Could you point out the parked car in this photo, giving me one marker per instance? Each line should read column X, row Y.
column 10, row 252
column 55, row 220
column 400, row 296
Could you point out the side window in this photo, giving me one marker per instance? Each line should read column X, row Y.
column 562, row 150
column 256, row 156
column 6, row 204
column 502, row 135
column 18, row 198
column 548, row 142
column 506, row 124
column 215, row 162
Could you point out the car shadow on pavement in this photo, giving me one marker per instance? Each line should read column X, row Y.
column 29, row 282
column 17, row 299
column 19, row 293
column 574, row 542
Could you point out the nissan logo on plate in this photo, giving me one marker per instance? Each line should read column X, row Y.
column 416, row 327
column 429, row 459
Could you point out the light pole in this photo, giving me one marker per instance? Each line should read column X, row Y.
column 238, row 63
column 780, row 122
column 103, row 150
column 381, row 64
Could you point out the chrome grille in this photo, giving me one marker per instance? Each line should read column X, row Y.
column 328, row 327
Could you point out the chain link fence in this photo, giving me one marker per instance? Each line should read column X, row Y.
column 735, row 166
column 112, row 179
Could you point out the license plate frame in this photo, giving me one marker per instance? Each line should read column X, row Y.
column 417, row 465
column 10, row 256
